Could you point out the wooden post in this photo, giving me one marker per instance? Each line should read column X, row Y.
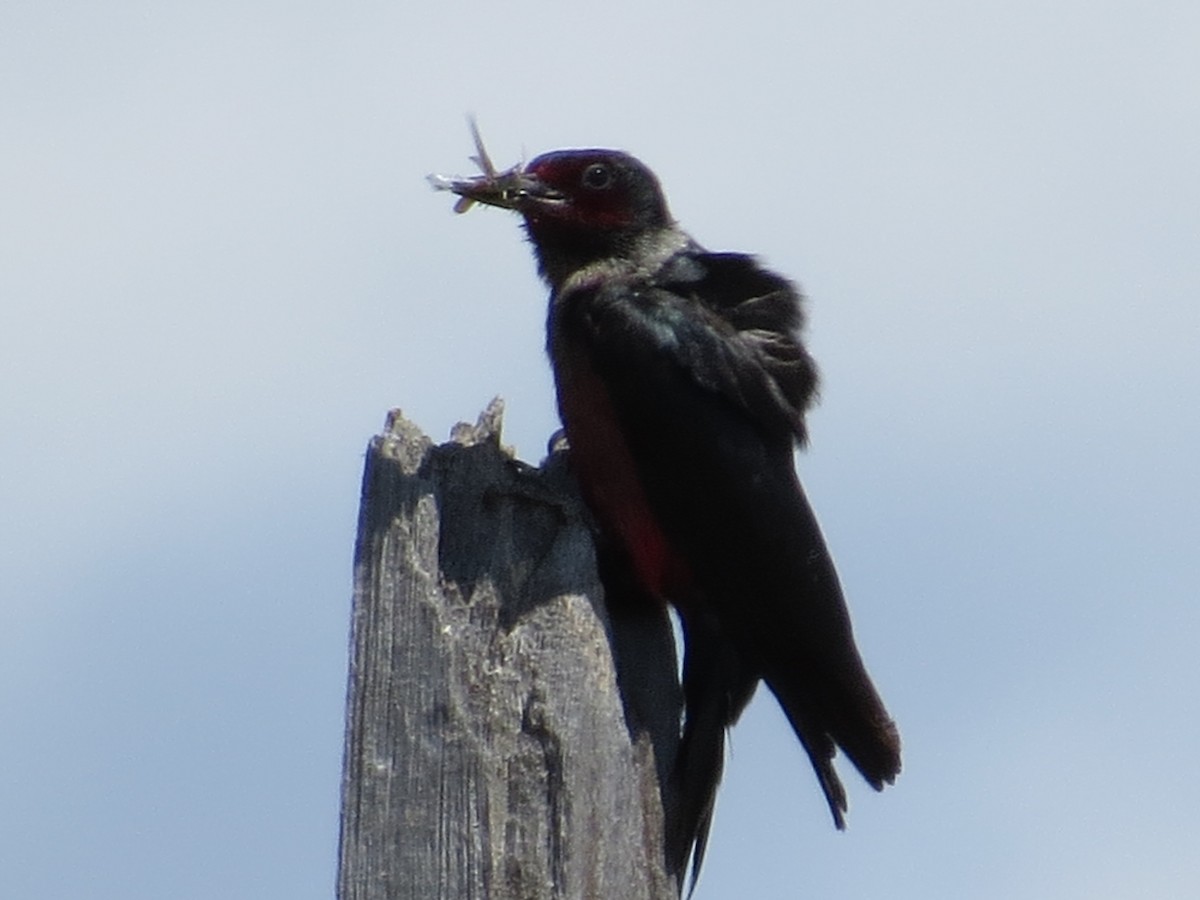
column 506, row 738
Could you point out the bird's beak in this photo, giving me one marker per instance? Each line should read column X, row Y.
column 511, row 189
column 491, row 189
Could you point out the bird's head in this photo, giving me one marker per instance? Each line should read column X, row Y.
column 579, row 206
column 590, row 190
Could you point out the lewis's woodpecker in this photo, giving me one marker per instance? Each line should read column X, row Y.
column 683, row 385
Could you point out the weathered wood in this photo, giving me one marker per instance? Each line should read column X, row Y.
column 492, row 751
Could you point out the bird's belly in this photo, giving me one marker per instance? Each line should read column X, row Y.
column 611, row 485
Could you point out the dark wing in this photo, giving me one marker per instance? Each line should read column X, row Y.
column 760, row 313
column 712, row 429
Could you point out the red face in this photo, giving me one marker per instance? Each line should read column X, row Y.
column 602, row 190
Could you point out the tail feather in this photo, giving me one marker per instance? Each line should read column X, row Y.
column 717, row 685
column 830, row 715
column 830, row 703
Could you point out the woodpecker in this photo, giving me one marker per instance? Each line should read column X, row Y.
column 683, row 385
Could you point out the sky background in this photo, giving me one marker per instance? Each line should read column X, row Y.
column 220, row 264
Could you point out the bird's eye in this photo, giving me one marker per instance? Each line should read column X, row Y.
column 597, row 177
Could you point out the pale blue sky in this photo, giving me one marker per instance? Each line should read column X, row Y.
column 220, row 265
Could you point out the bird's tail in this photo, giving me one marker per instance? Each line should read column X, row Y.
column 717, row 685
column 840, row 711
